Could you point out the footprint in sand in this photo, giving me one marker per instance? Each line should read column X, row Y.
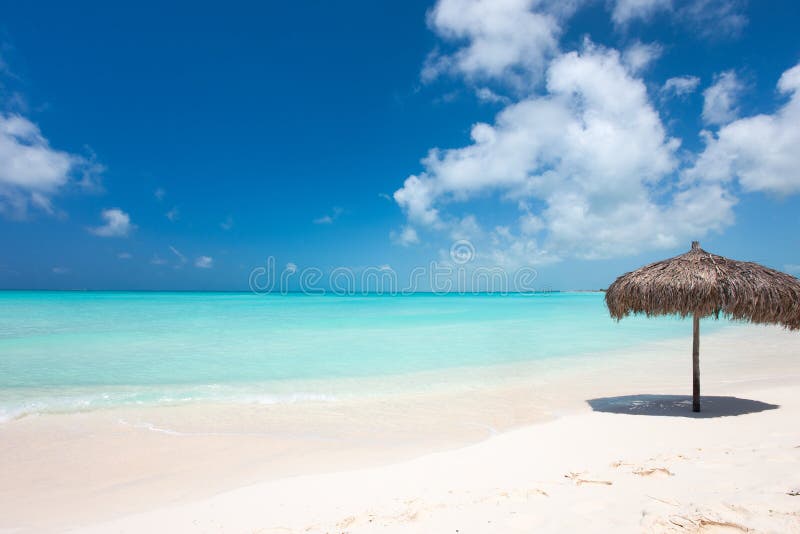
column 521, row 495
column 536, row 491
column 579, row 480
column 653, row 472
column 644, row 471
column 346, row 522
column 707, row 525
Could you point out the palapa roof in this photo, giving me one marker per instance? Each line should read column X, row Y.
column 702, row 283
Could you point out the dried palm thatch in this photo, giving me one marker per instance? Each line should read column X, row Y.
column 702, row 284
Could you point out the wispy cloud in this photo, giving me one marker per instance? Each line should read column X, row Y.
column 178, row 254
column 329, row 218
column 792, row 268
column 174, row 214
column 4, row 67
column 715, row 19
column 204, row 262
column 709, row 19
column 638, row 56
column 60, row 270
column 124, row 255
column 406, row 236
column 159, row 193
column 680, row 86
column 227, row 224
column 626, row 11
column 485, row 94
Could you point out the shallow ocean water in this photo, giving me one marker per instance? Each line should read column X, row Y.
column 68, row 351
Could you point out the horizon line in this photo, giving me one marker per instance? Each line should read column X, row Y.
column 293, row 292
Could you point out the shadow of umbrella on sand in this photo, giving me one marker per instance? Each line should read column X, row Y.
column 702, row 284
column 678, row 406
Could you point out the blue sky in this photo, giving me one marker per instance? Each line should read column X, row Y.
column 153, row 147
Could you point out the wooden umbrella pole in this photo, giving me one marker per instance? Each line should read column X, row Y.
column 696, row 364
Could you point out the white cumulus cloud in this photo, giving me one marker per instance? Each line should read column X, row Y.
column 204, row 262
column 760, row 151
column 116, row 223
column 31, row 171
column 592, row 151
column 680, row 86
column 406, row 236
column 720, row 100
column 505, row 40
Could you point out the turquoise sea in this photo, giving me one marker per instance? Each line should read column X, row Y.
column 68, row 351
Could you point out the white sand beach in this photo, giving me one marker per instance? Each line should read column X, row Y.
column 507, row 458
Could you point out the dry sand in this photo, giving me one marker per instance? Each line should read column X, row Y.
column 507, row 458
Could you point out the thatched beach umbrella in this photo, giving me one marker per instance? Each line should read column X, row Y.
column 700, row 284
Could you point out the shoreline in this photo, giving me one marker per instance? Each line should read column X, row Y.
column 166, row 458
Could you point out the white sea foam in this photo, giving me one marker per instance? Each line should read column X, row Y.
column 295, row 398
column 65, row 401
column 151, row 427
